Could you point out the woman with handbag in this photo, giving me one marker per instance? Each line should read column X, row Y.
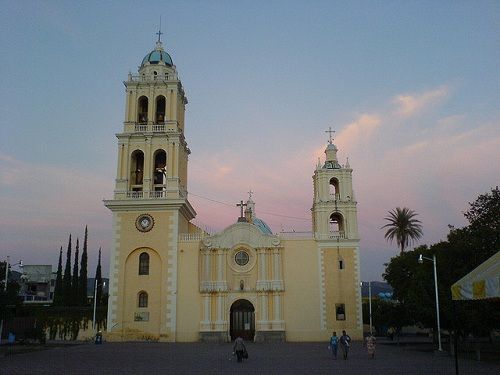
column 239, row 349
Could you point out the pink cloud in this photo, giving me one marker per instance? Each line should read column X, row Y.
column 411, row 104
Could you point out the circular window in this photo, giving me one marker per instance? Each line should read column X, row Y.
column 241, row 258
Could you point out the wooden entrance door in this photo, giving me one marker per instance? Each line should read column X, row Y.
column 242, row 320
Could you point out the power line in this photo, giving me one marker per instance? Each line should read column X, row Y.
column 263, row 212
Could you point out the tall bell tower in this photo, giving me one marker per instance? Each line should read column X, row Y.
column 334, row 205
column 150, row 205
column 335, row 229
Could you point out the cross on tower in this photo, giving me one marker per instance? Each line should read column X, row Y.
column 159, row 35
column 159, row 32
column 330, row 131
column 241, row 205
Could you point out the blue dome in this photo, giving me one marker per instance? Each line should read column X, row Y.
column 157, row 57
column 264, row 228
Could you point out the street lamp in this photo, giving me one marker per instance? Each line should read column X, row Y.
column 369, row 303
column 95, row 302
column 433, row 259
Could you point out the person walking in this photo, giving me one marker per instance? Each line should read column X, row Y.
column 334, row 342
column 345, row 342
column 371, row 342
column 239, row 348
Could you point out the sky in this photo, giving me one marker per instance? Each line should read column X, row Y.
column 411, row 88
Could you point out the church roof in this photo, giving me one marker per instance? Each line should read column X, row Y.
column 157, row 57
column 263, row 227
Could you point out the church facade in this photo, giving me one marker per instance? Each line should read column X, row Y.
column 171, row 281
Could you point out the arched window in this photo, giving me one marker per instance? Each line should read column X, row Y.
column 334, row 188
column 142, row 110
column 160, row 109
column 160, row 170
column 336, row 223
column 136, row 170
column 142, row 299
column 144, row 264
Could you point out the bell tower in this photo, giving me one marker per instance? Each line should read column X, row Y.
column 150, row 206
column 334, row 214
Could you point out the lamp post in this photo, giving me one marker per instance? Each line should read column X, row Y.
column 433, row 259
column 95, row 302
column 370, row 304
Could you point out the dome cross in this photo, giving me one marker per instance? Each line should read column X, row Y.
column 330, row 131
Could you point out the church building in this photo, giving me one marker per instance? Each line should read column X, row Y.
column 172, row 281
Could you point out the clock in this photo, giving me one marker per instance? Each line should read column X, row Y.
column 144, row 222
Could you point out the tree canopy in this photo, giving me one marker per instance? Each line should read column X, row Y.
column 464, row 249
column 403, row 227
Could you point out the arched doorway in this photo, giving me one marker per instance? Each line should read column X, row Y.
column 242, row 320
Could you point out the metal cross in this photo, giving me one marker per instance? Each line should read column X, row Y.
column 330, row 131
column 159, row 32
column 159, row 35
column 241, row 205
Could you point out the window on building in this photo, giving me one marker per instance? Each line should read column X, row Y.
column 144, row 264
column 142, row 299
column 340, row 311
column 341, row 264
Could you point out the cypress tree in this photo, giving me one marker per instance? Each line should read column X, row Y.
column 98, row 278
column 83, row 273
column 67, row 277
column 58, row 289
column 74, row 280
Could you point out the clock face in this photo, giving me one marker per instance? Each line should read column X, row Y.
column 144, row 223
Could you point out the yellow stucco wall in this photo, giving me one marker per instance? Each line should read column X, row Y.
column 301, row 302
column 189, row 298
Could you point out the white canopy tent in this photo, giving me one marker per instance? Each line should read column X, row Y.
column 483, row 282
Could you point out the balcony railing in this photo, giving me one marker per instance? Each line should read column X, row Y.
column 337, row 235
column 164, row 127
column 154, row 194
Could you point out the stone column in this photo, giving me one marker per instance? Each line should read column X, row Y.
column 207, row 274
column 277, row 281
column 264, row 314
column 205, row 324
column 220, row 265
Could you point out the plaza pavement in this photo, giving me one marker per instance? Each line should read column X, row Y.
column 268, row 358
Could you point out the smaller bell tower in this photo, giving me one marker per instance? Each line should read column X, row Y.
column 334, row 214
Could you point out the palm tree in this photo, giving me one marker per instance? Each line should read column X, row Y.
column 402, row 227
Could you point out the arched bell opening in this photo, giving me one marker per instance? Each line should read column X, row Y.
column 160, row 170
column 242, row 320
column 136, row 170
column 160, row 109
column 334, row 188
column 142, row 110
column 336, row 225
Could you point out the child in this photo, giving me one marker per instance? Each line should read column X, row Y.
column 334, row 342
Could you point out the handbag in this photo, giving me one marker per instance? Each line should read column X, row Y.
column 245, row 354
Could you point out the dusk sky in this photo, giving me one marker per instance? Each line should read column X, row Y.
column 412, row 89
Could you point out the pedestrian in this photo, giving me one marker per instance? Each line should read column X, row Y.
column 345, row 342
column 239, row 348
column 371, row 342
column 390, row 333
column 334, row 341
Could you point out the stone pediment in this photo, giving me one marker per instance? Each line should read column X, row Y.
column 241, row 233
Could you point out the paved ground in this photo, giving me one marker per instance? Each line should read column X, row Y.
column 198, row 358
